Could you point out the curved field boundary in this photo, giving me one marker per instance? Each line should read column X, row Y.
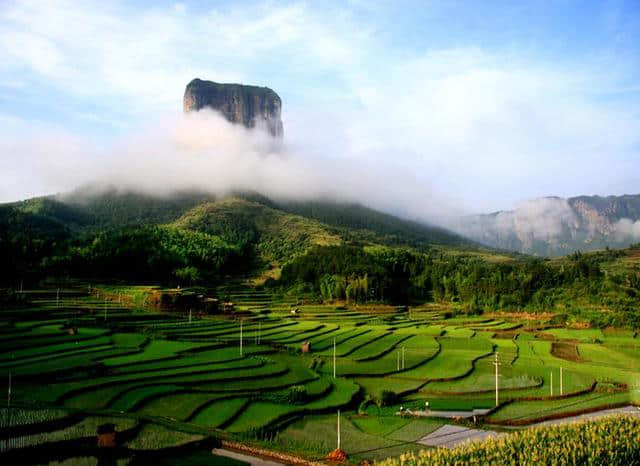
column 40, row 342
column 306, row 335
column 191, row 385
column 544, row 398
column 235, row 415
column 280, row 421
column 327, row 343
column 160, row 377
column 517, row 355
column 385, row 351
column 27, row 355
column 408, row 368
column 179, row 366
column 262, row 452
column 551, row 417
column 41, row 427
column 357, row 347
column 538, row 384
column 568, row 395
column 138, row 402
column 443, row 379
column 36, row 373
column 55, row 355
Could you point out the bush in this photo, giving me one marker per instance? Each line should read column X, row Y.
column 388, row 398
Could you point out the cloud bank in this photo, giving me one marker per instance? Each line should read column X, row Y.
column 473, row 123
column 203, row 151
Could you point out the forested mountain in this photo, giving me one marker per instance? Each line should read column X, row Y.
column 71, row 232
column 332, row 252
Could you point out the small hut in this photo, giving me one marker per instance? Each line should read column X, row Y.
column 306, row 347
column 72, row 330
column 210, row 305
column 107, row 435
column 337, row 456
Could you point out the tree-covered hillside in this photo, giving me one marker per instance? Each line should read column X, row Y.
column 327, row 252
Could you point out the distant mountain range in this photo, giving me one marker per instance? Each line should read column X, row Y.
column 553, row 226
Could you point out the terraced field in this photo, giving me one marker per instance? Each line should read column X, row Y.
column 80, row 359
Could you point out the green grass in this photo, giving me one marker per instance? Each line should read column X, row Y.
column 218, row 412
column 260, row 414
column 155, row 437
column 176, row 406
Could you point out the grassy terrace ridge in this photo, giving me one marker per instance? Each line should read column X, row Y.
column 158, row 374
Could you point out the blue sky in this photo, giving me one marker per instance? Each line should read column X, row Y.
column 485, row 103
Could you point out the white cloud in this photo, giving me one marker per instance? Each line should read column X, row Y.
column 203, row 151
column 627, row 229
column 489, row 127
column 98, row 49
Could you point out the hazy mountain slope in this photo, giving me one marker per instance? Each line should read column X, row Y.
column 555, row 226
column 363, row 223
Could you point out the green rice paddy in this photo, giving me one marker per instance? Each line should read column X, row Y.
column 170, row 381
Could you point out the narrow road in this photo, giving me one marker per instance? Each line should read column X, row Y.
column 627, row 410
column 252, row 460
column 450, row 436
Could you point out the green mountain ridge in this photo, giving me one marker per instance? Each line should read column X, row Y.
column 325, row 251
column 265, row 232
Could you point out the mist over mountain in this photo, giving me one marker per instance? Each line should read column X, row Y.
column 553, row 226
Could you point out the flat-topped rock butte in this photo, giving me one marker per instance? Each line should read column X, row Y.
column 251, row 106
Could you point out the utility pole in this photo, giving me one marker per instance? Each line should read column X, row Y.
column 58, row 297
column 7, row 442
column 338, row 429
column 240, row 337
column 403, row 358
column 334, row 357
column 190, row 311
column 561, row 381
column 21, row 283
column 497, row 364
column 551, row 383
column 398, row 361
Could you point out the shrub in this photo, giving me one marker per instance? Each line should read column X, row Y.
column 388, row 398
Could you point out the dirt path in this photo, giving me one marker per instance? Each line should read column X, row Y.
column 627, row 410
column 252, row 460
column 444, row 414
column 450, row 436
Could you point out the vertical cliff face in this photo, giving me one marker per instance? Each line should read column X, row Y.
column 555, row 226
column 250, row 106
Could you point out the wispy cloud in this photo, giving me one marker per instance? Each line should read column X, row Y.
column 485, row 125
